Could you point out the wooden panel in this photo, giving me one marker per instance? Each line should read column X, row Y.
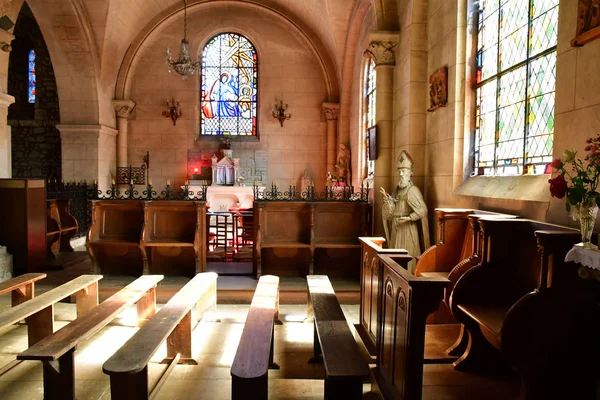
column 135, row 354
column 46, row 299
column 23, row 227
column 54, row 346
column 122, row 224
column 340, row 222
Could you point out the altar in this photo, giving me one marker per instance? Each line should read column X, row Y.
column 224, row 198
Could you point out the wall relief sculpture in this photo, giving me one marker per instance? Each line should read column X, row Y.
column 438, row 89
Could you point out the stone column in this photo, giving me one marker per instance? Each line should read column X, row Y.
column 123, row 109
column 88, row 152
column 5, row 101
column 331, row 111
column 5, row 149
column 381, row 50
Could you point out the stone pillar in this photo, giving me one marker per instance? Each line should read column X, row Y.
column 123, row 108
column 331, row 111
column 5, row 149
column 5, row 101
column 88, row 152
column 381, row 50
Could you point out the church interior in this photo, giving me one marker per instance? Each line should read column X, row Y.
column 299, row 199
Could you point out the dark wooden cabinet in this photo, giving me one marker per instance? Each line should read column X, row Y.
column 23, row 222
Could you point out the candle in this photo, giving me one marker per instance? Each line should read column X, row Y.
column 150, row 182
column 113, row 181
column 95, row 182
column 187, row 182
column 131, row 181
column 273, row 183
column 168, row 182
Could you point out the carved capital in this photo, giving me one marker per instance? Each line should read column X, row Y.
column 123, row 108
column 382, row 53
column 331, row 110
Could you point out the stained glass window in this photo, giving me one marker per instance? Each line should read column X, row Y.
column 31, row 70
column 229, row 86
column 369, row 116
column 516, row 79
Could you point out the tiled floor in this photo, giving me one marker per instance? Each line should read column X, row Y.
column 214, row 345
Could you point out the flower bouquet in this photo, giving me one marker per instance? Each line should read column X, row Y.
column 577, row 180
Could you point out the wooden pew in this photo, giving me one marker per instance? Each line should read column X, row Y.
column 173, row 237
column 406, row 301
column 52, row 228
column 515, row 301
column 21, row 288
column 370, row 290
column 345, row 368
column 457, row 250
column 57, row 350
column 128, row 367
column 113, row 241
column 302, row 237
column 61, row 226
column 254, row 355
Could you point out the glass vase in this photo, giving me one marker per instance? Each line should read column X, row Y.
column 587, row 218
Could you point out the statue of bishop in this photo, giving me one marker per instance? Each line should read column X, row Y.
column 404, row 213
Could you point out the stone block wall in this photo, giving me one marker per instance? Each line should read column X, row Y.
column 36, row 146
column 288, row 69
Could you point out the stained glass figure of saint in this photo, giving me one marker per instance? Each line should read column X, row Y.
column 31, row 71
column 229, row 86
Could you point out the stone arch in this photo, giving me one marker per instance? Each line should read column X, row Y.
column 70, row 41
column 327, row 64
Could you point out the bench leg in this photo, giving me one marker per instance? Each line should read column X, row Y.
column 40, row 325
column 22, row 294
column 272, row 365
column 180, row 342
column 317, row 357
column 480, row 355
column 256, row 389
column 146, row 306
column 86, row 299
column 129, row 386
column 460, row 346
column 347, row 389
column 59, row 377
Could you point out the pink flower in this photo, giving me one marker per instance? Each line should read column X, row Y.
column 557, row 163
column 558, row 186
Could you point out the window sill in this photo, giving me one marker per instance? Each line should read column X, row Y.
column 233, row 139
column 522, row 187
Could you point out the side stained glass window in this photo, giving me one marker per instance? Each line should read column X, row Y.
column 515, row 85
column 369, row 117
column 229, row 86
column 31, row 70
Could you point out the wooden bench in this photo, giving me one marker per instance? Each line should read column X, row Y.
column 113, row 241
column 38, row 312
column 254, row 355
column 345, row 368
column 56, row 351
column 128, row 367
column 173, row 237
column 513, row 301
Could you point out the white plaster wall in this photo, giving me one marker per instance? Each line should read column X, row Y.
column 288, row 68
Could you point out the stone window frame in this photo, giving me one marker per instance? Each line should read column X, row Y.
column 364, row 123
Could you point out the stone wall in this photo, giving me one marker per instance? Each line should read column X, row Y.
column 288, row 68
column 36, row 147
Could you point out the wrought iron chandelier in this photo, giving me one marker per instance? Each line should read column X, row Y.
column 184, row 65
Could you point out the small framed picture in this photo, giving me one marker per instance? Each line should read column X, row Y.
column 372, row 143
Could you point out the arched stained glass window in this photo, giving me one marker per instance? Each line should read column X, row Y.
column 229, row 86
column 369, row 115
column 515, row 85
column 31, row 70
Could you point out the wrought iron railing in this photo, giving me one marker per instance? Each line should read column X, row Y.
column 331, row 193
column 148, row 193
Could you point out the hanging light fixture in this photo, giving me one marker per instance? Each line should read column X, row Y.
column 184, row 65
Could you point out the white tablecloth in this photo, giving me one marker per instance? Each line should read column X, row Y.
column 588, row 258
